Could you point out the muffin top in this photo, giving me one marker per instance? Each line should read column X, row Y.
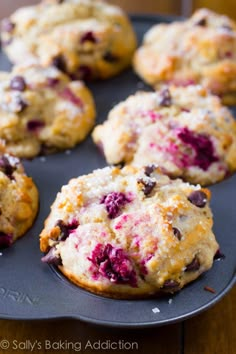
column 201, row 50
column 41, row 111
column 84, row 38
column 130, row 232
column 185, row 130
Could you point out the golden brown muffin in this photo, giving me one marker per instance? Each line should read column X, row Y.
column 201, row 50
column 84, row 38
column 41, row 111
column 18, row 200
column 130, row 232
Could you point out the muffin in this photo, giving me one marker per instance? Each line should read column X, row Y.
column 41, row 111
column 84, row 38
column 185, row 130
column 130, row 232
column 200, row 50
column 19, row 200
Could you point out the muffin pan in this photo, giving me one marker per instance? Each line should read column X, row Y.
column 31, row 290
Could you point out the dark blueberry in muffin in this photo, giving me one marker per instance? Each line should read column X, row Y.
column 149, row 169
column 110, row 57
column 52, row 257
column 198, row 198
column 177, row 233
column 18, row 83
column 165, row 98
column 60, row 63
column 148, row 186
column 202, row 22
column 170, row 284
column 8, row 164
column 66, row 229
column 194, row 265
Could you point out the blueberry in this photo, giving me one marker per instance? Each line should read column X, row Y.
column 148, row 170
column 18, row 83
column 198, row 198
column 110, row 57
column 60, row 63
column 194, row 265
column 148, row 186
column 165, row 98
column 52, row 258
column 170, row 284
column 8, row 164
column 66, row 229
column 177, row 233
column 202, row 22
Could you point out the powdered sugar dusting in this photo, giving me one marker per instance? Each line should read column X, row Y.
column 156, row 310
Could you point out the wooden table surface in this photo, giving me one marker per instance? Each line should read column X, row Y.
column 212, row 332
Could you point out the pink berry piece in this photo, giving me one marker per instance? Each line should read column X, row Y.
column 152, row 115
column 69, row 95
column 52, row 82
column 182, row 82
column 35, row 125
column 114, row 264
column 88, row 37
column 114, row 202
column 204, row 154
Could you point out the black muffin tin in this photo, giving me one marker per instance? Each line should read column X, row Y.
column 30, row 289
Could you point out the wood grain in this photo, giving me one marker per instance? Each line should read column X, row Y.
column 227, row 7
column 165, row 340
column 149, row 6
column 214, row 331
